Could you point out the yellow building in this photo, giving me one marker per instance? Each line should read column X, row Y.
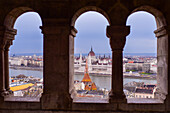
column 21, row 87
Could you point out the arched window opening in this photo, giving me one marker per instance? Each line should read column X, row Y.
column 26, row 57
column 140, row 57
column 92, row 58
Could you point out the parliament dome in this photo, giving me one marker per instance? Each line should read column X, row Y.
column 91, row 53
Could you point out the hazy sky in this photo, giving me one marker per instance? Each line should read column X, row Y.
column 141, row 38
column 29, row 38
column 91, row 28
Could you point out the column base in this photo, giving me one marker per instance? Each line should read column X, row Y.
column 4, row 93
column 56, row 101
column 10, row 91
column 73, row 93
column 117, row 98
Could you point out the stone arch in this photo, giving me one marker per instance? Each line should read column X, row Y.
column 89, row 8
column 162, row 49
column 73, row 32
column 7, row 39
column 159, row 17
column 14, row 14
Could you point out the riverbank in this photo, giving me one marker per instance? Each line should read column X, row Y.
column 100, row 81
column 92, row 74
column 140, row 77
column 26, row 68
column 149, row 77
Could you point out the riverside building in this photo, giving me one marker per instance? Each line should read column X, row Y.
column 87, row 88
column 96, row 65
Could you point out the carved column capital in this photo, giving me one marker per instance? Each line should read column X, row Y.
column 54, row 30
column 10, row 33
column 73, row 31
column 117, row 35
column 8, row 44
column 7, row 36
column 55, row 27
column 160, row 32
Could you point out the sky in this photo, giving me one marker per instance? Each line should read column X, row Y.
column 141, row 38
column 29, row 38
column 91, row 28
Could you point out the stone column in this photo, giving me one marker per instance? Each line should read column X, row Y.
column 9, row 37
column 56, row 65
column 162, row 62
column 164, row 56
column 6, row 62
column 117, row 35
column 2, row 71
column 71, row 61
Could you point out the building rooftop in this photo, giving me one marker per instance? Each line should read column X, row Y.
column 91, row 53
column 21, row 87
column 130, row 88
column 86, row 77
column 147, row 91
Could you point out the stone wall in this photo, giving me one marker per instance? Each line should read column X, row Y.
column 58, row 18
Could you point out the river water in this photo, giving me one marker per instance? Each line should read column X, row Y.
column 100, row 81
column 14, row 72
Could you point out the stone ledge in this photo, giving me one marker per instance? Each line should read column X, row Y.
column 144, row 101
column 22, row 99
column 129, row 100
column 89, row 100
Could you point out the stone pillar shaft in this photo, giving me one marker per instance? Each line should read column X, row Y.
column 117, row 35
column 56, row 66
column 2, row 76
column 71, row 61
column 2, row 72
column 117, row 72
column 8, row 37
column 6, row 70
column 162, row 62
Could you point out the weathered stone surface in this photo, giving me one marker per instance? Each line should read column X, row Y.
column 142, row 107
column 58, row 18
column 117, row 35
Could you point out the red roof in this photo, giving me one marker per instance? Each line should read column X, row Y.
column 91, row 53
column 86, row 77
column 131, row 62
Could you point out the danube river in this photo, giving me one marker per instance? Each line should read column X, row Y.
column 101, row 81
